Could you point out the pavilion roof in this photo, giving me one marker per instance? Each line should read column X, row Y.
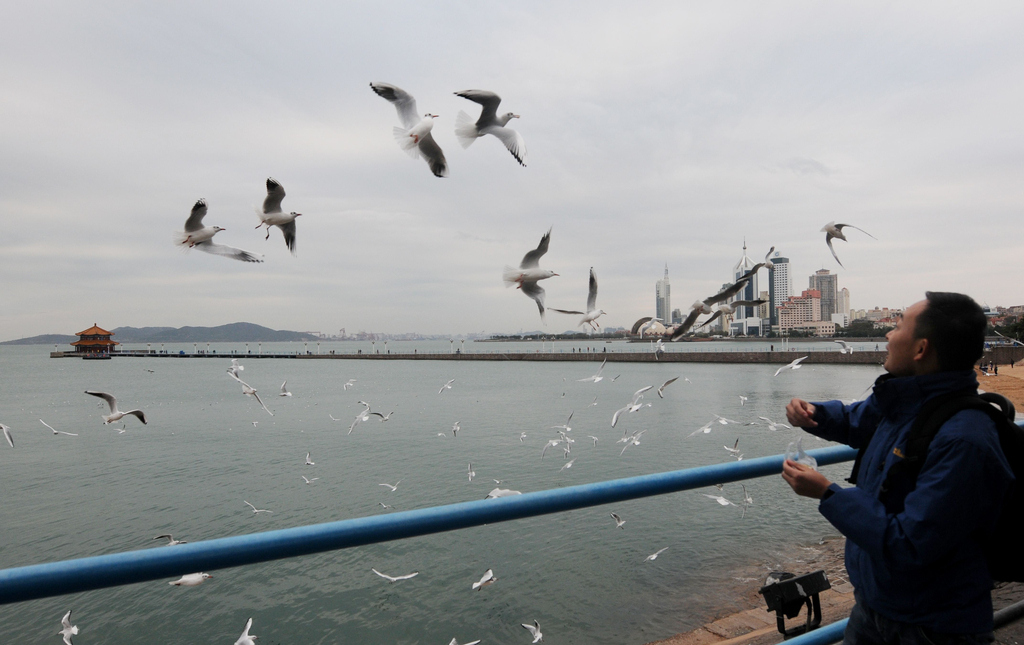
column 95, row 331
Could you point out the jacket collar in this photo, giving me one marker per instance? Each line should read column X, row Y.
column 906, row 394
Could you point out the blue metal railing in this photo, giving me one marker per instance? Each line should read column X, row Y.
column 72, row 576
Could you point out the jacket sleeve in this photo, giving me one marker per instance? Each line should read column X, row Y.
column 959, row 491
column 852, row 424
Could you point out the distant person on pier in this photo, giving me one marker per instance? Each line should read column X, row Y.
column 914, row 551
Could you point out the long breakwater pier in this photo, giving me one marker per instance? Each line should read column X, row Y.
column 998, row 355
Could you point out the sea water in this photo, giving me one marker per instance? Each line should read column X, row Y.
column 189, row 471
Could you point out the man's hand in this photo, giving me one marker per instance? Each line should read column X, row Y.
column 804, row 480
column 799, row 414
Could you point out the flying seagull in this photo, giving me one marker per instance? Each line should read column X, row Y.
column 718, row 498
column 7, row 434
column 197, row 236
column 190, row 580
column 396, row 578
column 844, row 347
column 592, row 313
column 534, row 630
column 654, row 556
column 256, row 510
column 645, row 324
column 446, row 386
column 704, row 306
column 618, row 521
column 170, row 539
column 730, row 308
column 596, row 378
column 414, row 136
column 833, row 230
column 309, row 462
column 529, row 273
column 68, row 630
column 390, row 487
column 761, row 265
column 251, row 391
column 272, row 215
column 307, row 480
column 246, row 638
column 792, row 365
column 664, row 385
column 115, row 414
column 55, row 431
column 284, row 389
column 487, row 579
column 489, row 123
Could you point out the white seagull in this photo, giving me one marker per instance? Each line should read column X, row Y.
column 664, row 385
column 592, row 313
column 70, row 434
column 590, row 436
column 7, row 434
column 501, row 492
column 654, row 556
column 456, row 642
column 390, row 487
column 596, row 378
column 565, row 426
column 256, row 510
column 309, row 481
column 115, row 414
column 646, row 324
column 396, row 578
column 246, row 638
column 534, row 630
column 309, row 462
column 347, row 384
column 170, row 539
column 568, row 464
column 250, row 391
column 455, row 429
column 773, row 426
column 718, row 498
column 414, row 136
column 529, row 273
column 489, row 123
column 792, row 365
column 833, row 230
column 284, row 390
column 446, row 386
column 706, row 428
column 618, row 521
column 190, row 580
column 844, row 347
column 235, row 368
column 200, row 237
column 632, row 406
column 735, row 447
column 271, row 215
column 487, row 579
column 471, row 472
column 68, row 630
column 362, row 416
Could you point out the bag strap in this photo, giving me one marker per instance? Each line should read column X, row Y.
column 932, row 416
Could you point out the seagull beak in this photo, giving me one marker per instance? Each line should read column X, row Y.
column 515, row 116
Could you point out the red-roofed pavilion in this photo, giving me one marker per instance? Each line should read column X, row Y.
column 94, row 341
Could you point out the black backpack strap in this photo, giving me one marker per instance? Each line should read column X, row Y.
column 932, row 416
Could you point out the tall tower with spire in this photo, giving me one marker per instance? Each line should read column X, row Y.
column 750, row 291
column 663, row 298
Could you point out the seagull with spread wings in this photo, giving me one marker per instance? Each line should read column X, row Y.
column 704, row 306
column 489, row 123
column 529, row 273
column 198, row 236
column 414, row 136
column 835, row 231
column 592, row 313
column 272, row 215
column 115, row 414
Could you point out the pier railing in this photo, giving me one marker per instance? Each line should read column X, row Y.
column 72, row 576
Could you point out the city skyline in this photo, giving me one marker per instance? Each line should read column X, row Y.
column 667, row 133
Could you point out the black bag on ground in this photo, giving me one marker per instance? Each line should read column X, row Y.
column 1002, row 548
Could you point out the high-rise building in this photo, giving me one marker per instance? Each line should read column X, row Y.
column 749, row 291
column 804, row 308
column 825, row 282
column 843, row 301
column 663, row 298
column 780, row 287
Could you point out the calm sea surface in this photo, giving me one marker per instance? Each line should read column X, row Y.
column 188, row 471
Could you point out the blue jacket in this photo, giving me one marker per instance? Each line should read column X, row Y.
column 924, row 565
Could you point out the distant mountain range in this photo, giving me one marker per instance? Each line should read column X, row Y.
column 233, row 333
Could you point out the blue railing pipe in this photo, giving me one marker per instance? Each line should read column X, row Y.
column 831, row 633
column 73, row 576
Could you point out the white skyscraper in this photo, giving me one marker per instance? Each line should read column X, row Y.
column 663, row 298
column 745, row 319
column 780, row 286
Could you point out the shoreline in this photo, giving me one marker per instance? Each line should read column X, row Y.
column 757, row 626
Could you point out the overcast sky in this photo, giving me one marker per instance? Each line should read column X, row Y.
column 657, row 133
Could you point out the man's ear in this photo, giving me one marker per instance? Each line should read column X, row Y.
column 921, row 349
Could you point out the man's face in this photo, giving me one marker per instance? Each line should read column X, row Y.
column 903, row 346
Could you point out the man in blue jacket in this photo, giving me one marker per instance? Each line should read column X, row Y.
column 916, row 563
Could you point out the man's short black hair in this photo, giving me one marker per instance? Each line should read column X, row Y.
column 955, row 326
